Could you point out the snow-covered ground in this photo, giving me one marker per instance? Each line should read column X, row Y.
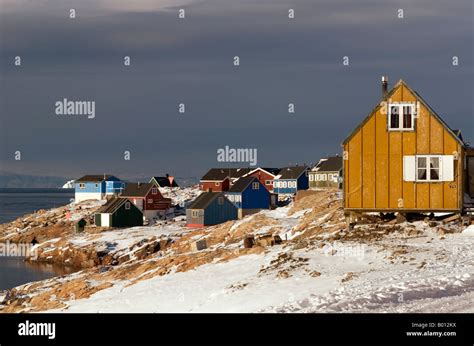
column 433, row 275
column 422, row 266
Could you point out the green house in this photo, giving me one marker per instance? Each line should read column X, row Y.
column 119, row 212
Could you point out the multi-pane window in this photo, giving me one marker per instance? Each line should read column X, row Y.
column 220, row 200
column 154, row 191
column 127, row 205
column 255, row 186
column 428, row 168
column 195, row 213
column 401, row 116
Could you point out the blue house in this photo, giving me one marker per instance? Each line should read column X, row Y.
column 249, row 196
column 290, row 180
column 97, row 187
column 210, row 208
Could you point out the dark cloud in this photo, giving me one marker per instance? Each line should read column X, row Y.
column 190, row 61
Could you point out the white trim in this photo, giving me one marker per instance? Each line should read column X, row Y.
column 445, row 168
column 256, row 169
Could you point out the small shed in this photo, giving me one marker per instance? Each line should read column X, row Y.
column 210, row 208
column 119, row 212
column 80, row 225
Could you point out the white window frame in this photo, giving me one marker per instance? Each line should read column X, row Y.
column 220, row 200
column 311, row 177
column 127, row 205
column 217, row 183
column 400, row 106
column 194, row 213
column 255, row 185
column 268, row 182
column 428, row 169
column 82, row 186
column 150, row 201
column 154, row 190
column 445, row 168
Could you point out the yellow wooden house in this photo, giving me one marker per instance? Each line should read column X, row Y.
column 403, row 158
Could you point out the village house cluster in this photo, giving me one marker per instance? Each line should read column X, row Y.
column 402, row 158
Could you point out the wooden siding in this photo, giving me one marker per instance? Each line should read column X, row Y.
column 373, row 165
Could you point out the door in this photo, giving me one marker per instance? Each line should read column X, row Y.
column 105, row 221
column 273, row 201
column 470, row 175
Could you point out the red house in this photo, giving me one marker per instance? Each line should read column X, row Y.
column 265, row 176
column 147, row 198
column 221, row 179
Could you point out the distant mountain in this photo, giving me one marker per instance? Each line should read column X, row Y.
column 11, row 180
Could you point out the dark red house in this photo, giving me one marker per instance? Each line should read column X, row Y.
column 147, row 198
column 221, row 179
column 265, row 176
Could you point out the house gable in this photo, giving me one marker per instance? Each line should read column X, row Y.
column 401, row 92
column 374, row 156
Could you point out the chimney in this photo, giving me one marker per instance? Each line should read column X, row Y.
column 138, row 184
column 384, row 86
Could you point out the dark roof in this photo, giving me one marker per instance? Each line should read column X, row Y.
column 292, row 172
column 221, row 173
column 388, row 96
column 331, row 164
column 164, row 181
column 241, row 184
column 112, row 205
column 94, row 178
column 459, row 134
column 204, row 199
column 136, row 189
column 273, row 171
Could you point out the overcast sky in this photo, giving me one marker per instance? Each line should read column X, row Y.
column 190, row 61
